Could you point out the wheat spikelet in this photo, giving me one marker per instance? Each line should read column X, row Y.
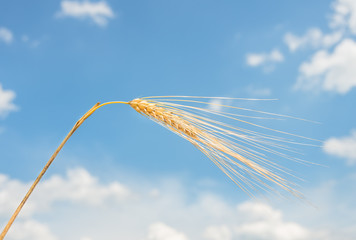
column 167, row 118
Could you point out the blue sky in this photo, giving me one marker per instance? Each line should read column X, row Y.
column 123, row 176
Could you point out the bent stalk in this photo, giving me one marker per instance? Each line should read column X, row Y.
column 75, row 127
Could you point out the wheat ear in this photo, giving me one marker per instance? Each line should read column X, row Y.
column 249, row 169
column 238, row 152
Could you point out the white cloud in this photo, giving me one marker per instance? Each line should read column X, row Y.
column 172, row 215
column 6, row 101
column 85, row 238
column 78, row 187
column 329, row 71
column 254, row 59
column 266, row 223
column 313, row 38
column 257, row 211
column 344, row 15
column 6, row 35
column 99, row 12
column 343, row 147
column 218, row 233
column 29, row 230
column 267, row 60
column 257, row 59
column 161, row 231
column 334, row 72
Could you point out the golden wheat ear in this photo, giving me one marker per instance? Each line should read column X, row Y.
column 240, row 153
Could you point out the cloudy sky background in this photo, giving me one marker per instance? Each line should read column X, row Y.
column 124, row 177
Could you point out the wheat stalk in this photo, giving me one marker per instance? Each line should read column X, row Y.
column 238, row 152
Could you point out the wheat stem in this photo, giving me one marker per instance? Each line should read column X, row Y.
column 75, row 127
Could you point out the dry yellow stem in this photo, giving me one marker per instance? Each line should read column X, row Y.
column 75, row 127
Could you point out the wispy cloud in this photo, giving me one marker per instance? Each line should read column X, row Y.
column 344, row 15
column 313, row 38
column 98, row 12
column 266, row 60
column 334, row 72
column 31, row 42
column 6, row 102
column 6, row 35
column 343, row 147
